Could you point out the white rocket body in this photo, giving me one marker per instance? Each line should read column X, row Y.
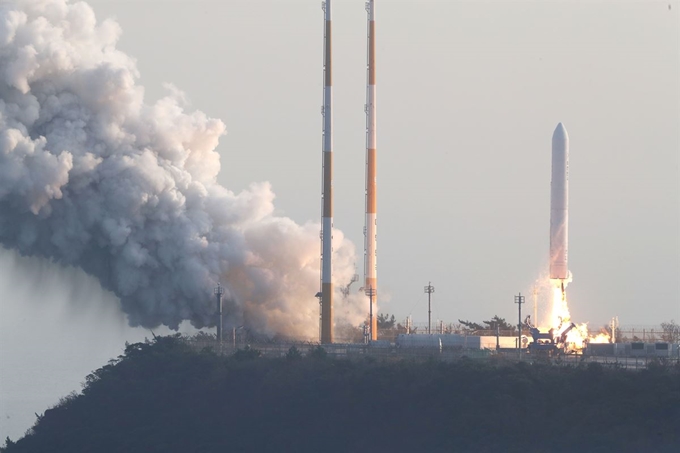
column 559, row 205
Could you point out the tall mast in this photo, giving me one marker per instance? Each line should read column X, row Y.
column 370, row 230
column 327, row 215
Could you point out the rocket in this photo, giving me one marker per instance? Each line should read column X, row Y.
column 370, row 230
column 327, row 174
column 559, row 207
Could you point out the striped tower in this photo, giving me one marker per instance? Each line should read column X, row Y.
column 327, row 221
column 370, row 231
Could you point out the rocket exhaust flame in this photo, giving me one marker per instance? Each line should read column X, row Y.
column 571, row 337
column 560, row 309
column 578, row 337
column 91, row 176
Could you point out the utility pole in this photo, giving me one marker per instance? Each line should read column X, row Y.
column 233, row 336
column 535, row 306
column 429, row 289
column 498, row 334
column 519, row 300
column 614, row 326
column 319, row 296
column 219, row 290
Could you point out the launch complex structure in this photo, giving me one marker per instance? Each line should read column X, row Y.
column 560, row 275
column 370, row 234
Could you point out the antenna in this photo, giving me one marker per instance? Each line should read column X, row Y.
column 219, row 290
column 429, row 289
column 519, row 300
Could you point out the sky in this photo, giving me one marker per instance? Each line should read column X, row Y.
column 469, row 94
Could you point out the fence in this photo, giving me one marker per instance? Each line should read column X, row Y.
column 624, row 334
column 389, row 351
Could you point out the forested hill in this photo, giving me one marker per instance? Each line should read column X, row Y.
column 162, row 396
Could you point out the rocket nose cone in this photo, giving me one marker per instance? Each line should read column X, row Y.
column 560, row 133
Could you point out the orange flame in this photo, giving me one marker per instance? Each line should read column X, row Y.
column 578, row 337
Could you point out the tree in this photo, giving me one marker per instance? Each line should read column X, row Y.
column 469, row 325
column 293, row 354
column 499, row 323
column 402, row 329
column 491, row 325
column 347, row 333
column 317, row 353
column 671, row 332
column 164, row 397
column 246, row 353
column 385, row 321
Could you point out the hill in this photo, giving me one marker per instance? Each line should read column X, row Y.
column 163, row 396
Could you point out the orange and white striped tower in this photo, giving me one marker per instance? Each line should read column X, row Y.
column 327, row 215
column 370, row 231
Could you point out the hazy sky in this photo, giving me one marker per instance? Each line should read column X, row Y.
column 468, row 96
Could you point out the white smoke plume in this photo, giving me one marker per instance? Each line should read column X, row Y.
column 91, row 176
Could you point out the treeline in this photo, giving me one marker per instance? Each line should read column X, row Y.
column 163, row 396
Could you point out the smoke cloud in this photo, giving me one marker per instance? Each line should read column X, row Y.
column 91, row 176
